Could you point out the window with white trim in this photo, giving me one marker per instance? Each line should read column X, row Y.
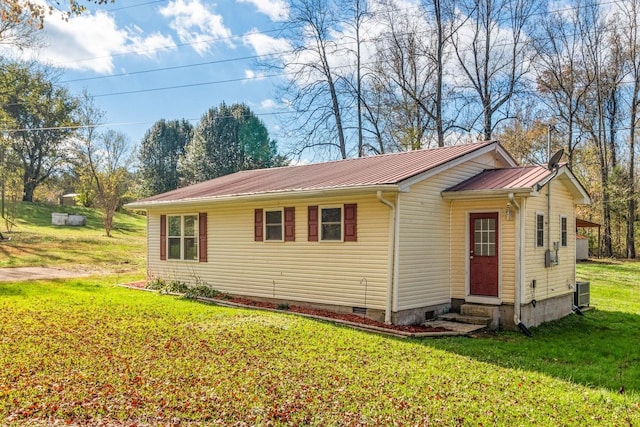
column 331, row 224
column 182, row 237
column 563, row 231
column 273, row 225
column 539, row 230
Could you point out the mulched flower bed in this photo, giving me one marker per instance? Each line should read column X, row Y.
column 353, row 318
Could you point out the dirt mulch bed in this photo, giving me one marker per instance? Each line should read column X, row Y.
column 329, row 315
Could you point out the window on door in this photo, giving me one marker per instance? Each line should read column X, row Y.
column 485, row 237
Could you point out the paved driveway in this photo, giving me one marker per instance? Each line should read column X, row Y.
column 37, row 273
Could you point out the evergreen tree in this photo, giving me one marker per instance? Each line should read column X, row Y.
column 229, row 138
column 161, row 147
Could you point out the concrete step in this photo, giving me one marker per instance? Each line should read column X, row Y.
column 480, row 310
column 465, row 318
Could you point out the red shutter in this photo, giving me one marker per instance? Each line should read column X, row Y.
column 289, row 224
column 350, row 223
column 163, row 237
column 202, row 236
column 313, row 223
column 257, row 226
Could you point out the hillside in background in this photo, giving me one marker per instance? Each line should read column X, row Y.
column 36, row 242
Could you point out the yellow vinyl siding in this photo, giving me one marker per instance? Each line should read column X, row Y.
column 557, row 280
column 425, row 242
column 340, row 273
column 460, row 210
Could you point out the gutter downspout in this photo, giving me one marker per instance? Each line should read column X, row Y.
column 518, row 268
column 391, row 268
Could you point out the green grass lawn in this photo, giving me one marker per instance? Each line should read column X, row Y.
column 88, row 352
column 35, row 242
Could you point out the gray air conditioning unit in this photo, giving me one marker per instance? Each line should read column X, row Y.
column 581, row 296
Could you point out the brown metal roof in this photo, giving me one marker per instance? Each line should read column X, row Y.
column 586, row 224
column 387, row 169
column 519, row 178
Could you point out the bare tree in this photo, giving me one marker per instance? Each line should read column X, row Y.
column 630, row 21
column 312, row 86
column 108, row 162
column 494, row 53
column 411, row 63
column 357, row 15
column 408, row 79
column 102, row 161
column 560, row 73
column 601, row 116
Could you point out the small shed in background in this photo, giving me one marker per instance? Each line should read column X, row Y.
column 69, row 199
column 582, row 248
column 583, row 223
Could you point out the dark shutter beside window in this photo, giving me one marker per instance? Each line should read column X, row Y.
column 163, row 237
column 257, row 226
column 313, row 223
column 202, row 236
column 289, row 224
column 350, row 223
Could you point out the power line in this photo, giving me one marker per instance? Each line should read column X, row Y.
column 175, row 67
column 289, row 26
column 215, row 82
column 167, row 47
column 275, row 54
column 116, row 9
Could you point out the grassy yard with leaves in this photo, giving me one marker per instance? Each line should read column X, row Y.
column 35, row 242
column 89, row 352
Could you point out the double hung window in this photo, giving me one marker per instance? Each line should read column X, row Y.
column 182, row 237
column 331, row 224
column 273, row 224
column 539, row 230
column 563, row 231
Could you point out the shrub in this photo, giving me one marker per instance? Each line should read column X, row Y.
column 164, row 287
column 155, row 284
column 175, row 287
column 202, row 291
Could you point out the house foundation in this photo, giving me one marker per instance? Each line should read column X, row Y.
column 544, row 311
column 417, row 316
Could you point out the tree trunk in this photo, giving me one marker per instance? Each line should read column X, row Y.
column 439, row 73
column 631, row 192
column 29, row 188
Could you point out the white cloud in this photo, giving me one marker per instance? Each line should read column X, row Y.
column 263, row 44
column 268, row 104
column 150, row 45
column 276, row 10
column 90, row 41
column 195, row 24
column 86, row 42
column 253, row 75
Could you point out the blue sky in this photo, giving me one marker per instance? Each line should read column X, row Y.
column 145, row 60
